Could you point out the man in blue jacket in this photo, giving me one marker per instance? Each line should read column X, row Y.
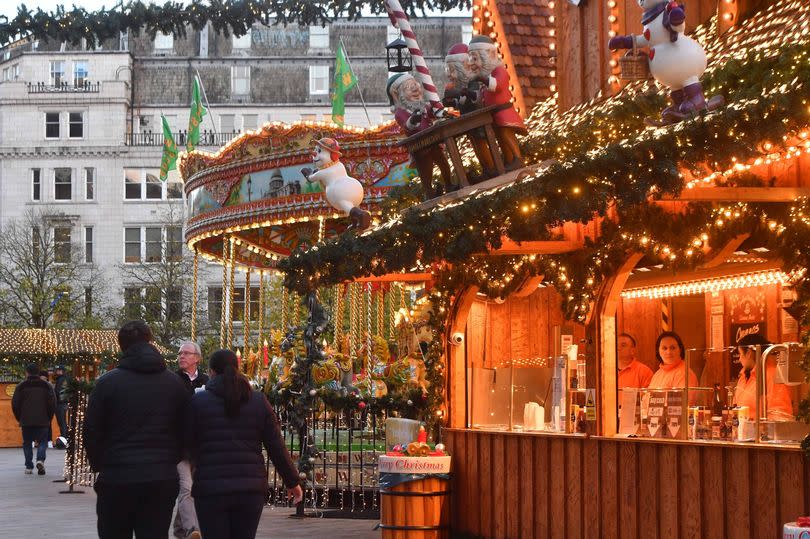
column 34, row 404
column 132, row 434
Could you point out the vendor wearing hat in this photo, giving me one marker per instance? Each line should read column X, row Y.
column 61, row 399
column 414, row 114
column 488, row 68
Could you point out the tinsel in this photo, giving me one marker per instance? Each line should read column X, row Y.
column 226, row 17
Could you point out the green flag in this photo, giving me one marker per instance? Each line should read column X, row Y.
column 195, row 117
column 344, row 81
column 169, row 160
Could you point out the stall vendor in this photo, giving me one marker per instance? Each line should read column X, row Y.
column 670, row 352
column 632, row 372
column 780, row 405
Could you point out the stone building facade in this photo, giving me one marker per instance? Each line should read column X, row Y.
column 80, row 129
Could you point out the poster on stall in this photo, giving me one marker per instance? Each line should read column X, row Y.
column 738, row 331
column 674, row 411
column 656, row 414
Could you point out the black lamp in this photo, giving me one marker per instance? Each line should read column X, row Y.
column 398, row 56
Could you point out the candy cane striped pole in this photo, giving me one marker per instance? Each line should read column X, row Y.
column 400, row 20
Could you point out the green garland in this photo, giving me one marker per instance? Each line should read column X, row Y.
column 225, row 16
column 620, row 175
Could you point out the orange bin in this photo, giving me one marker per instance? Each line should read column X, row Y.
column 416, row 510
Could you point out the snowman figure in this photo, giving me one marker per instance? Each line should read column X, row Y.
column 676, row 60
column 342, row 191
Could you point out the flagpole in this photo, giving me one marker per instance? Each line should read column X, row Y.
column 207, row 104
column 357, row 79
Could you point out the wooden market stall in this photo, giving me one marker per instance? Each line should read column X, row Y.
column 80, row 351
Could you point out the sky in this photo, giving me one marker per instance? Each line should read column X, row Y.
column 9, row 7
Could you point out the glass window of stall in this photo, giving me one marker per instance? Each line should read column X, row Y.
column 524, row 366
column 716, row 374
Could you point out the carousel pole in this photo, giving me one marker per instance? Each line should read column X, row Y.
column 391, row 311
column 232, row 271
column 368, row 326
column 380, row 312
column 400, row 21
column 283, row 308
column 260, row 340
column 223, row 304
column 353, row 319
column 194, row 295
column 246, row 315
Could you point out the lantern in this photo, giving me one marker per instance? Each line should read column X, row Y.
column 399, row 59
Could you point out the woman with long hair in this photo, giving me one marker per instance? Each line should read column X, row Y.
column 226, row 426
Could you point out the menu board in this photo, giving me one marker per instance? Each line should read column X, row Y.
column 655, row 414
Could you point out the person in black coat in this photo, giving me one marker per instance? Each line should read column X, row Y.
column 61, row 400
column 34, row 404
column 132, row 435
column 225, row 428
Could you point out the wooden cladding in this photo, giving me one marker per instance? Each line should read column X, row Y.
column 509, row 485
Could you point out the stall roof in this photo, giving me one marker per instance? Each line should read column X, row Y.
column 60, row 341
column 600, row 158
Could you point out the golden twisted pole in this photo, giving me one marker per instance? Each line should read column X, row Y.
column 246, row 315
column 194, row 296
column 230, row 292
column 223, row 297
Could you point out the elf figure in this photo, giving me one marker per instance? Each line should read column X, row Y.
column 414, row 114
column 676, row 60
column 343, row 192
column 463, row 94
column 488, row 68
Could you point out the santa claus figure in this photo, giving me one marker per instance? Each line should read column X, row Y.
column 463, row 94
column 676, row 60
column 343, row 192
column 487, row 67
column 414, row 114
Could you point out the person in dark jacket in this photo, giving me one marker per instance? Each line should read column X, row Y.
column 225, row 427
column 132, row 435
column 61, row 400
column 33, row 405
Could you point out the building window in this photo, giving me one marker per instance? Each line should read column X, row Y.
column 6, row 74
column 36, row 184
column 174, row 189
column 80, row 73
column 466, row 33
column 123, row 41
column 164, row 41
column 76, row 125
column 174, row 243
column 36, row 244
column 57, row 72
column 61, row 244
column 153, row 303
column 51, row 125
column 240, row 80
column 226, row 123
column 145, row 184
column 174, row 303
column 214, row 304
column 89, row 184
column 63, row 184
column 88, row 302
column 15, row 72
column 318, row 37
column 242, row 42
column 250, row 122
column 88, row 244
column 132, row 184
column 153, row 245
column 132, row 245
column 132, row 303
column 318, row 80
column 154, row 187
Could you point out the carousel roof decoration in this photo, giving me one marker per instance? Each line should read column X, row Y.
column 599, row 157
column 252, row 188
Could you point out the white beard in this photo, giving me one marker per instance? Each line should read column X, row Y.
column 489, row 63
column 462, row 75
column 412, row 106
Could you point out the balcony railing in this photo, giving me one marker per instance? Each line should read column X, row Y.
column 64, row 87
column 207, row 138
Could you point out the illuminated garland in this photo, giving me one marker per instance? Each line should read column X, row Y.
column 622, row 174
column 234, row 16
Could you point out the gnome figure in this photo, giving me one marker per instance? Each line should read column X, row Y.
column 676, row 60
column 463, row 94
column 343, row 192
column 488, row 68
column 414, row 114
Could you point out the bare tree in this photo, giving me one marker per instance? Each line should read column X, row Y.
column 44, row 279
column 158, row 287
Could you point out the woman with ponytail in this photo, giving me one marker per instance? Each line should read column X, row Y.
column 226, row 426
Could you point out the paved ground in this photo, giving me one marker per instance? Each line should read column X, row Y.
column 28, row 499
